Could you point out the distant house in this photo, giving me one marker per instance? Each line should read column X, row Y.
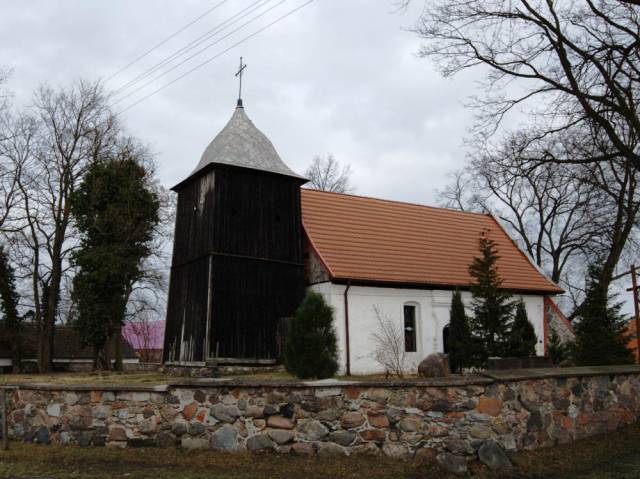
column 69, row 353
column 146, row 338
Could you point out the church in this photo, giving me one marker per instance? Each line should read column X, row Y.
column 250, row 240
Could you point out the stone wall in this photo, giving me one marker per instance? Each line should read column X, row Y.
column 449, row 419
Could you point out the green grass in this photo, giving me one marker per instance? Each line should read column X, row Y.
column 614, row 455
column 142, row 377
column 153, row 377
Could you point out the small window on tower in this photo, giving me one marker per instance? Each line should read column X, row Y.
column 410, row 328
column 277, row 218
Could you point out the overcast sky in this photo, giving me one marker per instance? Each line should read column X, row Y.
column 338, row 76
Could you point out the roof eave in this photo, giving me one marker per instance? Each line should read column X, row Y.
column 433, row 285
column 210, row 166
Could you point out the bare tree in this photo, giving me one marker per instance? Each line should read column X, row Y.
column 563, row 215
column 327, row 174
column 16, row 149
column 563, row 63
column 73, row 128
column 4, row 94
column 388, row 344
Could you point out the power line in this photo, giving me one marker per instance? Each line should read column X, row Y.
column 194, row 43
column 209, row 60
column 180, row 30
column 202, row 50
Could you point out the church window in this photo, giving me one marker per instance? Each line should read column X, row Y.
column 410, row 328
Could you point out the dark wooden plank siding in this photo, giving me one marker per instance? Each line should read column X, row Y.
column 185, row 332
column 258, row 215
column 249, row 299
column 194, row 219
column 248, row 224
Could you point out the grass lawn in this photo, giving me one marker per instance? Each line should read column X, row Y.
column 614, row 455
column 142, row 377
column 152, row 377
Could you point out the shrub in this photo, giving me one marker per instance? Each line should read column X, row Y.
column 311, row 349
column 388, row 344
column 522, row 336
column 9, row 308
column 600, row 338
column 556, row 350
column 461, row 344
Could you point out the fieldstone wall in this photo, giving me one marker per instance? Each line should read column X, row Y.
column 451, row 420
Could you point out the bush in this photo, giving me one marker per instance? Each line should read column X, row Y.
column 600, row 338
column 461, row 344
column 556, row 350
column 311, row 349
column 522, row 337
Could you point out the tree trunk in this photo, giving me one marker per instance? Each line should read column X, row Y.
column 117, row 348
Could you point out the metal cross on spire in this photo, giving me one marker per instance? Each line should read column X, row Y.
column 239, row 74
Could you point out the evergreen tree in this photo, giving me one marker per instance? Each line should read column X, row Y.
column 115, row 212
column 599, row 333
column 522, row 337
column 492, row 306
column 311, row 350
column 556, row 351
column 9, row 308
column 461, row 346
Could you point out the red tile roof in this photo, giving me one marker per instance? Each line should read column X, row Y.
column 372, row 240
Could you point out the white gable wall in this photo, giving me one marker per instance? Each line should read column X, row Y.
column 432, row 315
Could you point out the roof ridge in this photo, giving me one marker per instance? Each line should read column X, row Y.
column 400, row 202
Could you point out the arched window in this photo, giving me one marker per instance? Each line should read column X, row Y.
column 410, row 333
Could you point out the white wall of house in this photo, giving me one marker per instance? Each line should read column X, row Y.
column 432, row 315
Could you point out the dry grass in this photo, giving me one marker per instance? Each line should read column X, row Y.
column 602, row 457
column 155, row 378
column 27, row 461
column 142, row 377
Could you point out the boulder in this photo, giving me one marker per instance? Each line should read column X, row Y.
column 396, row 451
column 329, row 449
column 435, row 365
column 344, row 438
column 351, row 420
column 281, row 436
column 225, row 413
column 493, row 456
column 225, row 438
column 452, row 463
column 180, row 427
column 192, row 443
column 279, row 422
column 313, row 430
column 259, row 442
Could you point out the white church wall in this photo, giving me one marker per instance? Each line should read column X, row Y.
column 432, row 308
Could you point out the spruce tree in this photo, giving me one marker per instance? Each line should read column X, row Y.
column 116, row 213
column 556, row 351
column 599, row 332
column 522, row 337
column 9, row 308
column 311, row 350
column 492, row 306
column 461, row 347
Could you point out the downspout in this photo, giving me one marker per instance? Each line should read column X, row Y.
column 346, row 327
